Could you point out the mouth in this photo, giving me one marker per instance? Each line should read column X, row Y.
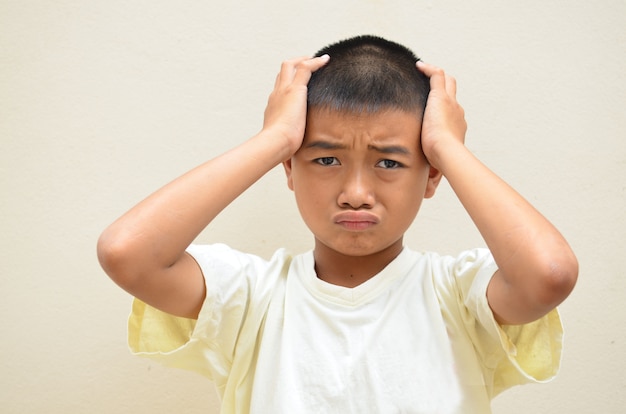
column 356, row 220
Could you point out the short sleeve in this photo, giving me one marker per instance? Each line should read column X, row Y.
column 206, row 346
column 511, row 355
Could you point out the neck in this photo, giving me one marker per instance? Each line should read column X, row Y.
column 350, row 271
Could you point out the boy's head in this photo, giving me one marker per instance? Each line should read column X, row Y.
column 360, row 176
column 367, row 74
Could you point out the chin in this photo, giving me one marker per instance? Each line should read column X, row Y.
column 360, row 249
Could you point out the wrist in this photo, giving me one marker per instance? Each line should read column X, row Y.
column 273, row 146
column 441, row 155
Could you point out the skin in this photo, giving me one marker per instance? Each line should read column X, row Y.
column 357, row 221
column 359, row 180
column 537, row 268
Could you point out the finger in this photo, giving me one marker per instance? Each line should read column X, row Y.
column 437, row 75
column 426, row 68
column 277, row 80
column 451, row 86
column 287, row 71
column 305, row 69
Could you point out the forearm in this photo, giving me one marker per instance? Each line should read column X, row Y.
column 537, row 268
column 144, row 250
column 157, row 230
column 506, row 221
column 533, row 258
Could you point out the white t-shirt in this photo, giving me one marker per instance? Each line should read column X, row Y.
column 419, row 337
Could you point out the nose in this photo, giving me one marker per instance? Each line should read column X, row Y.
column 357, row 190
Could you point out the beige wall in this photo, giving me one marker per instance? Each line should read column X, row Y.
column 101, row 102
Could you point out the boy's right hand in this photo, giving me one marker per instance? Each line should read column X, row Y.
column 144, row 250
column 285, row 114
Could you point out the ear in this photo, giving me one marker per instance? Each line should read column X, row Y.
column 434, row 178
column 287, row 166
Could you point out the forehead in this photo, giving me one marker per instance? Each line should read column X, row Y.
column 386, row 125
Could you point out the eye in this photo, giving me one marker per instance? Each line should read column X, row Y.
column 389, row 164
column 327, row 161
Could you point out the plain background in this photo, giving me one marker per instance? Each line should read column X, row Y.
column 102, row 102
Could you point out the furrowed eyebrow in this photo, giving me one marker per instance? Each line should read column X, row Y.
column 387, row 149
column 391, row 149
column 325, row 145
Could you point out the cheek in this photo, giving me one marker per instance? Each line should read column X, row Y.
column 405, row 197
column 312, row 196
column 408, row 205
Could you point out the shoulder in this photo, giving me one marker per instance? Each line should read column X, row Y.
column 218, row 255
column 460, row 281
column 227, row 268
column 465, row 267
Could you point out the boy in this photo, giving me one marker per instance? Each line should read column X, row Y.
column 361, row 323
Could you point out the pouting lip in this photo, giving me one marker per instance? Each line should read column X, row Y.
column 355, row 217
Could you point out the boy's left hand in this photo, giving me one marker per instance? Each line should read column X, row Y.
column 444, row 119
column 536, row 267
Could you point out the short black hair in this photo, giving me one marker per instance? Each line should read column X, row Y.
column 368, row 74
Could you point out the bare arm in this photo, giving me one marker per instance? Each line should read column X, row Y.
column 144, row 250
column 537, row 268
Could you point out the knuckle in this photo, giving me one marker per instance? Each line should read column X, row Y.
column 301, row 65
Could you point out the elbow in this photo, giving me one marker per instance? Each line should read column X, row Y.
column 114, row 255
column 538, row 289
column 558, row 278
